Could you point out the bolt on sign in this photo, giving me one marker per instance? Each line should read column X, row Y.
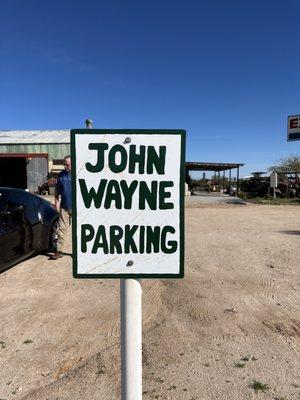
column 293, row 131
column 128, row 203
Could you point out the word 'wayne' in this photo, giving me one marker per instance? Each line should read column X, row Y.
column 121, row 194
column 120, row 158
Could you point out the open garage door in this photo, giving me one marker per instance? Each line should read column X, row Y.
column 23, row 171
column 37, row 172
column 13, row 172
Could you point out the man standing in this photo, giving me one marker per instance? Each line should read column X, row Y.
column 63, row 204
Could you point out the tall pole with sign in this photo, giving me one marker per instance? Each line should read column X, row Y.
column 128, row 221
column 131, row 339
column 274, row 183
column 293, row 128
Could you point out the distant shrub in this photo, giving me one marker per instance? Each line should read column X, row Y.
column 242, row 195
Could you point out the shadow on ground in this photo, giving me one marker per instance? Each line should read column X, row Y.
column 291, row 232
column 49, row 255
column 237, row 201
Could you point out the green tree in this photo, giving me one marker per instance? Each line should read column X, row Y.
column 287, row 164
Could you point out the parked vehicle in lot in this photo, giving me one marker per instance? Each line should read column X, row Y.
column 28, row 225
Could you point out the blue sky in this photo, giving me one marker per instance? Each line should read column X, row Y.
column 226, row 71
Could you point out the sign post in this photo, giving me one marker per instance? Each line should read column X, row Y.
column 131, row 339
column 274, row 182
column 128, row 221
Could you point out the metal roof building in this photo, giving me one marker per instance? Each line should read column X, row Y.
column 55, row 143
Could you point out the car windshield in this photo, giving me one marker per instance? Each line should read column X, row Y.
column 3, row 197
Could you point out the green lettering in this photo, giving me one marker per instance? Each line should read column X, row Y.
column 129, row 243
column 87, row 234
column 91, row 195
column 114, row 167
column 128, row 191
column 153, row 236
column 113, row 193
column 115, row 235
column 155, row 160
column 142, row 239
column 172, row 244
column 165, row 195
column 135, row 158
column 149, row 195
column 100, row 240
column 100, row 147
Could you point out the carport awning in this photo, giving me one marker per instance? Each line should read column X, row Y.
column 209, row 166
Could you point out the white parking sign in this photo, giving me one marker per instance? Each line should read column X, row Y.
column 128, row 203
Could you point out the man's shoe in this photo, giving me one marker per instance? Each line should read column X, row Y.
column 56, row 255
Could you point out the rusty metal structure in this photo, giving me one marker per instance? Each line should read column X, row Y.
column 225, row 182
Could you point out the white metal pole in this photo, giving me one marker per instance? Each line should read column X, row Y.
column 131, row 339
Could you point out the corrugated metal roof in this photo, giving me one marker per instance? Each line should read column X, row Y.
column 24, row 137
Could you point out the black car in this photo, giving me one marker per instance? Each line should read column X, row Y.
column 28, row 225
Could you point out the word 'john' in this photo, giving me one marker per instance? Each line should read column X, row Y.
column 119, row 158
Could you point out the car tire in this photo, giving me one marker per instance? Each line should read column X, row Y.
column 52, row 242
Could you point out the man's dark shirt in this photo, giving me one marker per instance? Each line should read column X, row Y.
column 63, row 188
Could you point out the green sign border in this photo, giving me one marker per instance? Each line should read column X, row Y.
column 182, row 134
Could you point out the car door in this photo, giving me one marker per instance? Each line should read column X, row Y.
column 5, row 244
column 39, row 236
column 31, row 220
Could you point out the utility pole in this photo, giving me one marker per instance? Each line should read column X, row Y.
column 89, row 123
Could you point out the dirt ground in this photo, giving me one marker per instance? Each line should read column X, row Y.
column 233, row 319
